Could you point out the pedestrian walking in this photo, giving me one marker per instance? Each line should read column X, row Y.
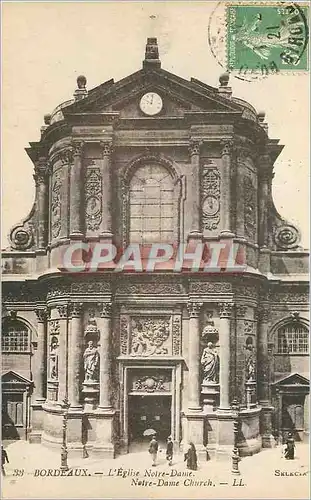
column 4, row 459
column 191, row 457
column 289, row 451
column 153, row 449
column 169, row 450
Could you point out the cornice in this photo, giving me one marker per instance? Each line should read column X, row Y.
column 91, row 118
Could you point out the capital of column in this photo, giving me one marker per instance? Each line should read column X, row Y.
column 76, row 309
column 77, row 148
column 194, row 147
column 262, row 315
column 41, row 171
column 65, row 156
column 265, row 173
column 62, row 310
column 194, row 309
column 106, row 309
column 227, row 146
column 107, row 148
column 240, row 310
column 41, row 314
column 225, row 309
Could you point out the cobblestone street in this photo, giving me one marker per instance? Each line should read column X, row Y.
column 265, row 474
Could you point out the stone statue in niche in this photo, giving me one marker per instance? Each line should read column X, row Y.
column 210, row 364
column 91, row 362
column 54, row 346
column 250, row 370
column 250, row 363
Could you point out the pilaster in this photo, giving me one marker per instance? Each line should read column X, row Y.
column 226, row 202
column 106, row 223
column 40, row 367
column 39, row 378
column 263, row 355
column 104, row 324
column 225, row 315
column 240, row 379
column 75, row 355
column 63, row 352
column 105, row 414
column 265, row 176
column 41, row 180
column 239, row 201
column 194, row 192
column 76, row 191
column 194, row 385
column 194, row 416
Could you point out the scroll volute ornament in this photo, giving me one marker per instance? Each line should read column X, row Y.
column 286, row 237
column 22, row 236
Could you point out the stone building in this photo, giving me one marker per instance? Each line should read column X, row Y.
column 154, row 158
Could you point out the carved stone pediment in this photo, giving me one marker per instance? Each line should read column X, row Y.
column 290, row 380
column 178, row 96
column 13, row 378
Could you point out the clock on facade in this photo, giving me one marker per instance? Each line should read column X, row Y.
column 151, row 103
column 210, row 206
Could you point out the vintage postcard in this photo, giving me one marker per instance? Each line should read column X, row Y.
column 155, row 310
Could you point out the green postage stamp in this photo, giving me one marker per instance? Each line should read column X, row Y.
column 267, row 37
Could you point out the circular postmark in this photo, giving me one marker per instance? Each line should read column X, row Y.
column 256, row 40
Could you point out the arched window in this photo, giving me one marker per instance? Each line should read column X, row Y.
column 293, row 338
column 15, row 336
column 153, row 215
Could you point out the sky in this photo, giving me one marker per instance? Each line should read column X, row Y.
column 46, row 45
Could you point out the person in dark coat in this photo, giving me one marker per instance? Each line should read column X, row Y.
column 153, row 449
column 169, row 450
column 191, row 457
column 4, row 459
column 289, row 452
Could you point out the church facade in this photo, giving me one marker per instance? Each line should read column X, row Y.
column 154, row 158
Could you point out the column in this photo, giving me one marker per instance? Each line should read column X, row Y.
column 40, row 367
column 75, row 355
column 76, row 183
column 225, row 313
column 63, row 352
column 240, row 377
column 263, row 356
column 226, row 187
column 239, row 200
column 106, row 225
column 104, row 325
column 194, row 386
column 194, row 192
column 41, row 180
column 265, row 176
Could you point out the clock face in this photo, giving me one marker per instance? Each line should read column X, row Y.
column 151, row 104
column 210, row 206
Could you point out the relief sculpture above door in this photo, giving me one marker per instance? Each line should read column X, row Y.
column 150, row 336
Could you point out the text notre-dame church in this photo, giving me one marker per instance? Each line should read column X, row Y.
column 154, row 158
